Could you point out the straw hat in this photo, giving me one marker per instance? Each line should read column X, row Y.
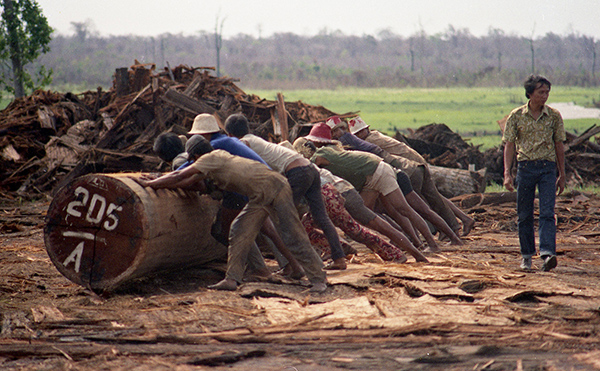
column 204, row 123
column 356, row 125
column 300, row 145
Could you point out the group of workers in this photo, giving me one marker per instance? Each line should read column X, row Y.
column 356, row 186
column 341, row 174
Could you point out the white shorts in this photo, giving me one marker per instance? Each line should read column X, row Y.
column 383, row 180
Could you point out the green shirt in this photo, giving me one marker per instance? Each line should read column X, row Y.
column 354, row 166
column 534, row 139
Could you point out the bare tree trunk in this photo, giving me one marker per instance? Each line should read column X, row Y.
column 162, row 52
column 15, row 48
column 593, row 62
column 532, row 56
column 499, row 62
column 219, row 43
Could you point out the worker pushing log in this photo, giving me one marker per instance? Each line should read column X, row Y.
column 104, row 230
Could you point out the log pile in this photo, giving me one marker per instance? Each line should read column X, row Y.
column 442, row 147
column 48, row 139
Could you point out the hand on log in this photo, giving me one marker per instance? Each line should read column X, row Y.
column 141, row 181
column 144, row 179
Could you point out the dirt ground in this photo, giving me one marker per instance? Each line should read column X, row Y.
column 470, row 308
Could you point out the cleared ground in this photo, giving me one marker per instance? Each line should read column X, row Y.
column 470, row 308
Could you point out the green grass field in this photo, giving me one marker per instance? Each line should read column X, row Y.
column 4, row 102
column 471, row 112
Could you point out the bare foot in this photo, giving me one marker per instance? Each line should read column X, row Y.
column 294, row 273
column 457, row 242
column 318, row 287
column 416, row 252
column 432, row 250
column 348, row 249
column 226, row 285
column 468, row 224
column 338, row 264
column 264, row 273
column 401, row 259
column 422, row 259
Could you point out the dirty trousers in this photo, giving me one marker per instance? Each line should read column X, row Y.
column 334, row 205
column 306, row 182
column 247, row 224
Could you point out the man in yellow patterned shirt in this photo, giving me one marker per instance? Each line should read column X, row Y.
column 535, row 132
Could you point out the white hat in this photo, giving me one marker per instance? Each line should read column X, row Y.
column 205, row 123
column 357, row 124
column 334, row 122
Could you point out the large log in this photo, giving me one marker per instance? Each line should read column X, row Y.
column 469, row 201
column 455, row 182
column 103, row 230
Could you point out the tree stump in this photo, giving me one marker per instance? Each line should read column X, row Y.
column 103, row 230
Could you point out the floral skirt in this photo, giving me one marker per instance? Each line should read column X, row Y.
column 334, row 205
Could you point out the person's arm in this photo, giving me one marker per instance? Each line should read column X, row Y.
column 320, row 161
column 357, row 144
column 559, row 148
column 509, row 156
column 176, row 179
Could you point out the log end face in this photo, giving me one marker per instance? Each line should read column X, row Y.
column 94, row 229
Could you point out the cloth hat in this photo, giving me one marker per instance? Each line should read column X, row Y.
column 204, row 123
column 320, row 133
column 334, row 122
column 356, row 125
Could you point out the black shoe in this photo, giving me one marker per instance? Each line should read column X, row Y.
column 549, row 262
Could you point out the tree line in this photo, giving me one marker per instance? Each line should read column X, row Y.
column 331, row 59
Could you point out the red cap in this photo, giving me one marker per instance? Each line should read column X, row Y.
column 320, row 133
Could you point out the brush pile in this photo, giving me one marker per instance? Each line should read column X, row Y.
column 442, row 147
column 48, row 138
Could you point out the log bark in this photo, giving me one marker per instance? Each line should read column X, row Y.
column 455, row 182
column 186, row 103
column 103, row 230
column 583, row 137
column 468, row 201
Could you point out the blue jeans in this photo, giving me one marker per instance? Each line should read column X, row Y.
column 542, row 174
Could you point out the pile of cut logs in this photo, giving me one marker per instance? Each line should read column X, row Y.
column 444, row 148
column 48, row 139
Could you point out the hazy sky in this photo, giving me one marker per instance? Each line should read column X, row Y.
column 309, row 17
